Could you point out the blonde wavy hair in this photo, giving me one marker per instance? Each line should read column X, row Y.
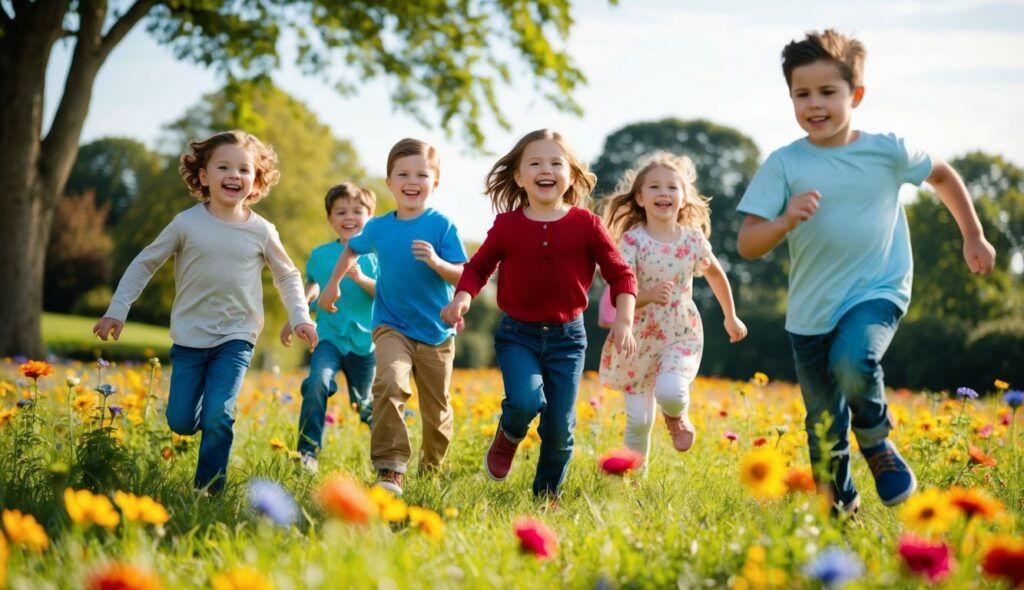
column 198, row 157
column 622, row 212
column 506, row 195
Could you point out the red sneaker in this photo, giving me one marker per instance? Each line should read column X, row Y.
column 682, row 432
column 498, row 460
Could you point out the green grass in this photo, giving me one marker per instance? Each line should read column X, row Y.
column 71, row 336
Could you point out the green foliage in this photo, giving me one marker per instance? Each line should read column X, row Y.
column 995, row 350
column 69, row 336
column 930, row 353
column 726, row 160
column 114, row 169
column 78, row 253
column 450, row 56
column 474, row 347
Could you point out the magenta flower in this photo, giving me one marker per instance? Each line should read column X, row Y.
column 619, row 461
column 535, row 537
column 925, row 558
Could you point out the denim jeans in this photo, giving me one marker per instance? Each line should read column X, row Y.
column 841, row 373
column 541, row 365
column 324, row 364
column 204, row 386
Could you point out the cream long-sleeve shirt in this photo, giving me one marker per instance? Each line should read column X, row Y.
column 217, row 274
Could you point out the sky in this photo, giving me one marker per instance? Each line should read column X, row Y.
column 947, row 75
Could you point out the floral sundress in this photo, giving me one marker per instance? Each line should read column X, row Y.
column 669, row 338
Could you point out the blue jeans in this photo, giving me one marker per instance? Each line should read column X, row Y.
column 541, row 365
column 326, row 361
column 841, row 373
column 204, row 386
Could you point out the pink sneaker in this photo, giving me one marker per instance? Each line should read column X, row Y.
column 498, row 460
column 682, row 432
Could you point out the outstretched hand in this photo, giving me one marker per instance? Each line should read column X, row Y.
column 308, row 333
column 108, row 327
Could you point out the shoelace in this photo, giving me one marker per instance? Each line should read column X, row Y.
column 883, row 461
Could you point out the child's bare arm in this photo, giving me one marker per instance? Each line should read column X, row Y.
column 424, row 252
column 329, row 294
column 978, row 252
column 719, row 283
column 759, row 236
column 622, row 327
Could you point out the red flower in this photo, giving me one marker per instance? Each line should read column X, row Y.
column 122, row 576
column 931, row 560
column 620, row 461
column 1005, row 562
column 536, row 537
column 760, row 441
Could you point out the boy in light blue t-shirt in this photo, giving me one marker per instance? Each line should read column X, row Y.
column 345, row 341
column 421, row 257
column 834, row 195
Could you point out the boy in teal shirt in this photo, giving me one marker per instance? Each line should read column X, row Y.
column 345, row 340
column 834, row 195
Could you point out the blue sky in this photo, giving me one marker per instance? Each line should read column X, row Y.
column 948, row 75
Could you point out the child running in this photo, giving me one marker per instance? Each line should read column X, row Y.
column 547, row 246
column 834, row 196
column 220, row 247
column 663, row 225
column 420, row 256
column 345, row 341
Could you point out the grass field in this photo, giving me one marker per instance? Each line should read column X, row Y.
column 71, row 336
column 734, row 512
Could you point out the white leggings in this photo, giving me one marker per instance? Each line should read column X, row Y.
column 672, row 392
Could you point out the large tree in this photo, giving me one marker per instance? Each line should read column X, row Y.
column 448, row 56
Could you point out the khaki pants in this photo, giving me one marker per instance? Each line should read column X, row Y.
column 431, row 367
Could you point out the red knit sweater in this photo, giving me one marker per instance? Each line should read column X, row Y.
column 547, row 266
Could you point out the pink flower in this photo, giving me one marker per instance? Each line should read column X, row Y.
column 931, row 560
column 594, row 402
column 731, row 436
column 985, row 431
column 536, row 537
column 329, row 419
column 620, row 461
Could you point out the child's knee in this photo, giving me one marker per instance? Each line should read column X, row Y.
column 636, row 425
column 182, row 423
column 855, row 374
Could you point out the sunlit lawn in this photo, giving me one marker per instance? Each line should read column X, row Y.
column 720, row 515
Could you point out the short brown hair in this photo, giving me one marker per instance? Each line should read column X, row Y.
column 264, row 160
column 506, row 195
column 845, row 52
column 351, row 191
column 414, row 147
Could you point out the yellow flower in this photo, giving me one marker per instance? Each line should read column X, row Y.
column 760, row 379
column 391, row 509
column 24, row 530
column 241, row 578
column 451, row 512
column 428, row 521
column 3, row 561
column 763, row 472
column 141, row 508
column 86, row 508
column 278, row 444
column 6, row 416
column 83, row 402
column 929, row 511
column 1001, row 385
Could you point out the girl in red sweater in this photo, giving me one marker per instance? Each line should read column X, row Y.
column 548, row 246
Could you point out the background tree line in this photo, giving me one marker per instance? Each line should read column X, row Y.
column 961, row 329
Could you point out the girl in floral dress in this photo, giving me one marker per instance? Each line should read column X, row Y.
column 662, row 224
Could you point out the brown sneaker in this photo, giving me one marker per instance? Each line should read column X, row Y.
column 682, row 432
column 390, row 480
column 498, row 460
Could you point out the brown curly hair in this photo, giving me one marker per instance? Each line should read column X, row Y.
column 622, row 212
column 506, row 195
column 199, row 154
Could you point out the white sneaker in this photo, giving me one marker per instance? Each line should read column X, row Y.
column 309, row 462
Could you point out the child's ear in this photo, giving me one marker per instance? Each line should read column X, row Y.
column 515, row 177
column 202, row 177
column 858, row 95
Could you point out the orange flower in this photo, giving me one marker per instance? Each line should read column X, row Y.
column 800, row 479
column 347, row 499
column 121, row 576
column 35, row 369
column 1004, row 558
column 978, row 457
column 975, row 502
column 87, row 508
column 24, row 530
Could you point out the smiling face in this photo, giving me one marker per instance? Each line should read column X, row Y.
column 661, row 194
column 348, row 216
column 229, row 177
column 544, row 174
column 411, row 181
column 823, row 103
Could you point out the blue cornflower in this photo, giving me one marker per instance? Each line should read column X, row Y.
column 270, row 499
column 1014, row 398
column 286, row 398
column 23, row 402
column 967, row 392
column 115, row 410
column 102, row 363
column 106, row 390
column 834, row 567
column 410, row 413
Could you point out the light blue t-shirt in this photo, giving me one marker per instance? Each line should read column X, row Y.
column 348, row 328
column 409, row 294
column 857, row 246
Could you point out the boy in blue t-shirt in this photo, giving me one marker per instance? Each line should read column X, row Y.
column 834, row 195
column 345, row 341
column 421, row 257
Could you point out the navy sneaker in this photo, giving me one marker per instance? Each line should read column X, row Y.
column 894, row 480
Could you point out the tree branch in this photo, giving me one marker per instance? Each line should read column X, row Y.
column 125, row 24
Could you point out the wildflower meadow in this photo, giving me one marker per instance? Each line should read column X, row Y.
column 97, row 493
